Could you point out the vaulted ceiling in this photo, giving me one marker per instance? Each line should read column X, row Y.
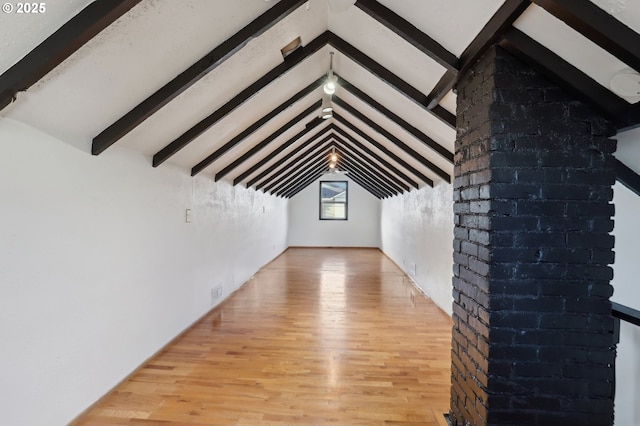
column 204, row 84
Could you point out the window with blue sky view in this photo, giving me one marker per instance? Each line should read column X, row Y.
column 333, row 200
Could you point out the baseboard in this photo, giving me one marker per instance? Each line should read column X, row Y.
column 415, row 284
column 166, row 345
column 335, row 247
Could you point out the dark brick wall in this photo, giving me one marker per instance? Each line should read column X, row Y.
column 532, row 332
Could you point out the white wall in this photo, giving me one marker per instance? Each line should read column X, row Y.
column 625, row 284
column 98, row 268
column 362, row 229
column 417, row 234
column 626, row 291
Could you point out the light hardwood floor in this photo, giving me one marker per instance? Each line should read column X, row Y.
column 319, row 336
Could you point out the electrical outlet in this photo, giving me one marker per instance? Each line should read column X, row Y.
column 413, row 268
column 216, row 294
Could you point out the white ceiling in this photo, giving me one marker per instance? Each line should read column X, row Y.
column 158, row 39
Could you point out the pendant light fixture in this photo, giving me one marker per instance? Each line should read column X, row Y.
column 332, row 81
column 333, row 159
column 327, row 107
column 329, row 89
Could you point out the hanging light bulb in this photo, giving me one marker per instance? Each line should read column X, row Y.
column 331, row 84
column 333, row 159
column 332, row 81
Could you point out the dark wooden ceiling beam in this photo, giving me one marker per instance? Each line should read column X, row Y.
column 286, row 182
column 117, row 130
column 409, row 33
column 367, row 175
column 267, row 175
column 191, row 75
column 627, row 177
column 59, row 46
column 367, row 172
column 302, row 186
column 205, row 124
column 387, row 76
column 291, row 168
column 370, row 165
column 492, row 32
column 280, row 148
column 412, row 130
column 317, row 168
column 311, row 173
column 564, row 74
column 371, row 161
column 302, row 180
column 254, row 126
column 261, row 145
column 389, row 136
column 364, row 185
column 352, row 149
column 598, row 26
column 339, row 132
column 442, row 87
column 345, row 122
column 313, row 176
column 294, row 191
column 361, row 179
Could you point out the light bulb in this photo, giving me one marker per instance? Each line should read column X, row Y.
column 329, row 88
column 331, row 84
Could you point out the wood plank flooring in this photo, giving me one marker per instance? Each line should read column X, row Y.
column 319, row 336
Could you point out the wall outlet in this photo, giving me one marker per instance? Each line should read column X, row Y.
column 413, row 268
column 216, row 294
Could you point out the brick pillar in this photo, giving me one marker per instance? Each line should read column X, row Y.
column 532, row 336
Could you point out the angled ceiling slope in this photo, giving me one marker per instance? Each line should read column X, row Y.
column 392, row 132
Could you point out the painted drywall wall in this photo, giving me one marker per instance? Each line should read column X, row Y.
column 99, row 269
column 417, row 234
column 625, row 284
column 362, row 229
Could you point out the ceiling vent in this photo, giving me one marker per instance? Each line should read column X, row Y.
column 626, row 84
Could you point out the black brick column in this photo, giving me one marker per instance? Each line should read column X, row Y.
column 532, row 335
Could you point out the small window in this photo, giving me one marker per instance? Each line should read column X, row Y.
column 333, row 200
